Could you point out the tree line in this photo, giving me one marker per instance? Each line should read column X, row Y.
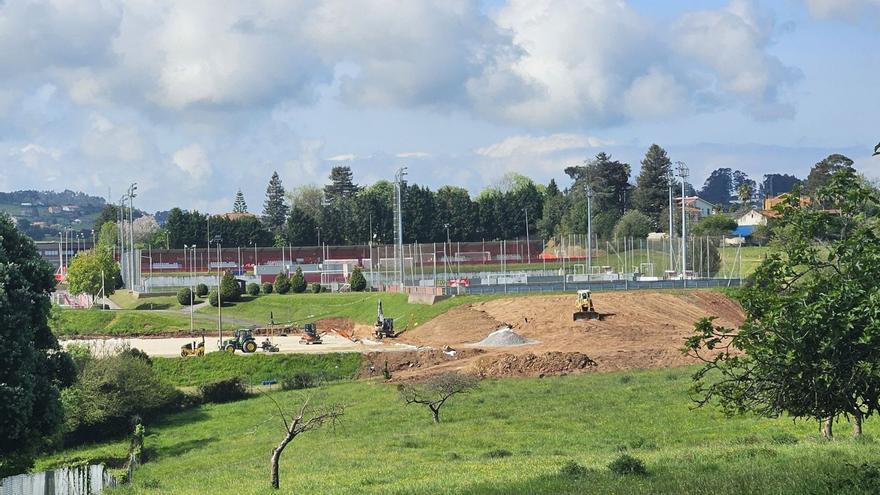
column 343, row 212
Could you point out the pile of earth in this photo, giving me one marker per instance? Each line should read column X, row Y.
column 410, row 361
column 503, row 337
column 528, row 364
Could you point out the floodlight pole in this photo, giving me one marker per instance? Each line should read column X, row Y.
column 683, row 173
column 398, row 190
column 589, row 231
column 670, row 181
column 219, row 297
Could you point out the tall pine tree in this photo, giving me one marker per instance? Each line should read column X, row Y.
column 240, row 206
column 274, row 209
column 341, row 183
column 652, row 186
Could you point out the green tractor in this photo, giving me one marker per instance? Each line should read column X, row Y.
column 242, row 340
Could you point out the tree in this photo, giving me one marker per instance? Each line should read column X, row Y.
column 230, row 291
column 110, row 213
column 298, row 281
column 144, row 228
column 201, row 290
column 282, row 283
column 714, row 225
column 239, row 206
column 341, row 184
column 33, row 367
column 253, row 289
column 108, row 235
column 212, row 298
column 553, row 211
column 809, row 345
column 91, row 271
column 266, row 288
column 300, row 228
column 744, row 193
column 419, row 209
column 652, row 184
column 186, row 227
column 822, row 172
column 454, row 207
column 275, row 208
column 609, row 180
column 776, row 184
column 434, row 392
column 185, row 296
column 307, row 419
column 718, row 187
column 634, row 224
column 357, row 281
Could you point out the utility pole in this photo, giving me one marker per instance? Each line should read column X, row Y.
column 683, row 173
column 589, row 230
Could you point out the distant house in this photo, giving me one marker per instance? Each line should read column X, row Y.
column 696, row 206
column 753, row 218
column 235, row 216
column 771, row 202
column 70, row 208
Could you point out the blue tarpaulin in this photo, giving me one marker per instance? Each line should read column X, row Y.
column 744, row 230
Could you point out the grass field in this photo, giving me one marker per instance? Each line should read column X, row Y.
column 126, row 301
column 69, row 322
column 359, row 306
column 510, row 436
column 188, row 372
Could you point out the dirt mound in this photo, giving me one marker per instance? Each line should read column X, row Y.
column 402, row 364
column 529, row 364
column 503, row 337
column 456, row 327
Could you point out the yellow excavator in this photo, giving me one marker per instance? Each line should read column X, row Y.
column 586, row 310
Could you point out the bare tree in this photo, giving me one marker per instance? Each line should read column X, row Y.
column 435, row 391
column 306, row 419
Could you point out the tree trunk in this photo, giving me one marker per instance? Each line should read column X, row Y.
column 436, row 413
column 857, row 423
column 276, row 459
column 827, row 425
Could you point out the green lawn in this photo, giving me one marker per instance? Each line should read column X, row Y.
column 511, row 436
column 188, row 372
column 359, row 306
column 69, row 322
column 127, row 301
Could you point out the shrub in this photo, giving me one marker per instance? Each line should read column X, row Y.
column 267, row 288
column 253, row 289
column 497, row 454
column 229, row 390
column 109, row 392
column 282, row 283
column 185, row 296
column 574, row 470
column 299, row 381
column 317, row 288
column 136, row 353
column 628, row 465
column 212, row 298
column 229, row 289
column 201, row 290
column 357, row 280
column 298, row 281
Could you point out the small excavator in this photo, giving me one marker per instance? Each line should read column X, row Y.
column 384, row 326
column 310, row 335
column 586, row 310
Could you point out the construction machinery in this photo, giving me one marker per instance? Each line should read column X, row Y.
column 192, row 349
column 268, row 346
column 585, row 308
column 242, row 340
column 384, row 326
column 310, row 335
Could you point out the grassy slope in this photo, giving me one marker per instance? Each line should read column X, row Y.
column 186, row 372
column 127, row 301
column 69, row 322
column 360, row 307
column 385, row 447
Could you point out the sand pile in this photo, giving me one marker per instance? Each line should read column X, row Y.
column 551, row 363
column 503, row 337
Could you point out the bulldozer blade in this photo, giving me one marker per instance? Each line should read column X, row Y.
column 586, row 315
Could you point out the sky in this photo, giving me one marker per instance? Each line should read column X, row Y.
column 194, row 100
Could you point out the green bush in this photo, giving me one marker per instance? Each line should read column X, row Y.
column 357, row 280
column 253, row 289
column 185, row 296
column 267, row 288
column 573, row 470
column 110, row 391
column 298, row 281
column 299, row 381
column 282, row 283
column 201, row 290
column 497, row 454
column 212, row 298
column 229, row 288
column 229, row 390
column 317, row 288
column 633, row 224
column 628, row 465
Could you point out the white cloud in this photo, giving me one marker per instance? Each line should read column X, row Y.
column 193, row 160
column 849, row 10
column 412, row 154
column 33, row 154
column 540, row 145
column 347, row 157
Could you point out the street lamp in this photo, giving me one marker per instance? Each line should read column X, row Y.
column 446, row 251
column 670, row 181
column 683, row 173
column 191, row 288
column 589, row 230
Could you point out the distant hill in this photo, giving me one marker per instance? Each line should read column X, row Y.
column 42, row 214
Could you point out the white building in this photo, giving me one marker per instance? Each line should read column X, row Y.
column 752, row 218
column 696, row 206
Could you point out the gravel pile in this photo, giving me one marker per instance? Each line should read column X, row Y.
column 503, row 337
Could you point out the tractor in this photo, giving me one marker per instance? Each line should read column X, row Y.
column 585, row 308
column 242, row 340
column 191, row 349
column 384, row 326
column 310, row 335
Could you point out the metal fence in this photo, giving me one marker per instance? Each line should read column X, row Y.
column 79, row 480
column 560, row 286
